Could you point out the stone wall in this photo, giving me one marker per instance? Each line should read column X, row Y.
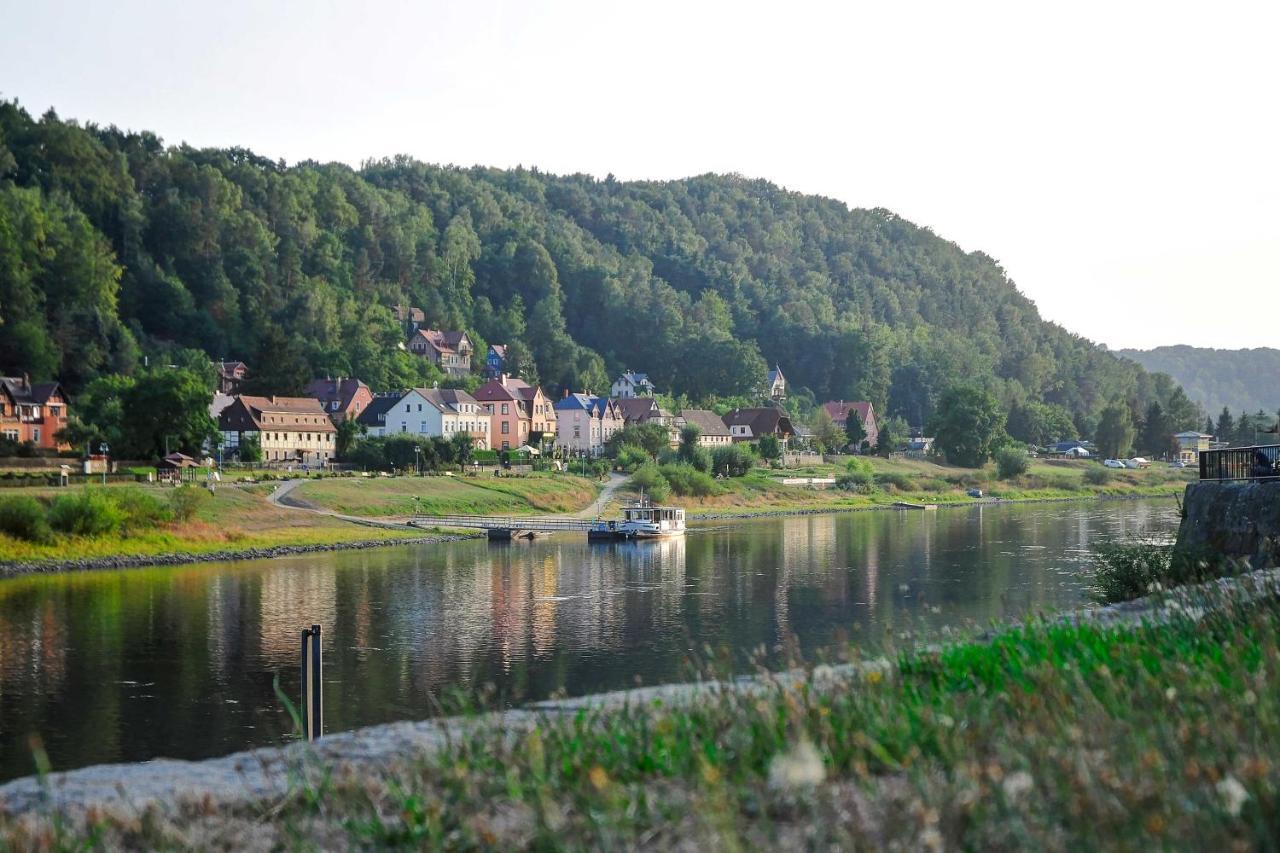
column 1238, row 520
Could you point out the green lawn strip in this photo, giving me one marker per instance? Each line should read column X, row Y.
column 1050, row 736
column 449, row 495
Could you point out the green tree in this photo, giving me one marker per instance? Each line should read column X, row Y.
column 167, row 410
column 1115, row 432
column 349, row 431
column 968, row 425
column 1157, row 430
column 825, row 432
column 250, row 449
column 892, row 435
column 769, row 447
column 855, row 433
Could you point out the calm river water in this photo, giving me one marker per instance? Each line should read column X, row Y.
column 180, row 662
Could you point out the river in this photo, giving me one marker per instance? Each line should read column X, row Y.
column 181, row 662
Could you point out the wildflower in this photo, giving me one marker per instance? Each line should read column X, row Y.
column 874, row 676
column 710, row 774
column 599, row 778
column 1170, row 693
column 800, row 767
column 946, row 721
column 1017, row 784
column 1233, row 795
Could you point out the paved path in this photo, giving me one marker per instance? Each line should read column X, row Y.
column 597, row 508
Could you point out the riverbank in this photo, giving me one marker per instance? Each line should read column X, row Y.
column 1150, row 724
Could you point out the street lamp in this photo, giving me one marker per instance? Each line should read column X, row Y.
column 417, row 460
column 104, row 450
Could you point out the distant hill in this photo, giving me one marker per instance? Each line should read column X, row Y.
column 1241, row 379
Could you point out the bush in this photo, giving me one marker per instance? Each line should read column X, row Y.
column 932, row 484
column 648, row 478
column 1125, row 572
column 631, row 457
column 23, row 517
column 896, row 479
column 185, row 501
column 141, row 509
column 1011, row 461
column 734, row 460
column 1097, row 475
column 88, row 513
column 860, row 477
column 686, row 480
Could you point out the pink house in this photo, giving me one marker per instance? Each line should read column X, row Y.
column 841, row 410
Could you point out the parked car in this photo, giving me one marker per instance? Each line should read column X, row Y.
column 1177, row 463
column 1137, row 462
column 974, row 493
column 1113, row 463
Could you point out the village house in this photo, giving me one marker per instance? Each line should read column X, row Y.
column 841, row 410
column 520, row 413
column 230, row 375
column 34, row 413
column 584, row 422
column 293, row 430
column 712, row 431
column 636, row 411
column 776, row 385
column 754, row 424
column 343, row 398
column 631, row 384
column 410, row 318
column 495, row 361
column 450, row 350
column 1191, row 445
column 430, row 412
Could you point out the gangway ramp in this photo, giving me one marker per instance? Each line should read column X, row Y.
column 509, row 526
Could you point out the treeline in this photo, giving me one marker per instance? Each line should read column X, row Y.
column 1247, row 379
column 113, row 245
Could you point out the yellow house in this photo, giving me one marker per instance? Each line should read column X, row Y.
column 1191, row 445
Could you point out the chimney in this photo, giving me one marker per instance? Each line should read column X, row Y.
column 566, row 394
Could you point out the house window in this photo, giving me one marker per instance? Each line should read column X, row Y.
column 35, row 435
column 505, row 410
column 506, row 427
column 404, row 427
column 422, row 426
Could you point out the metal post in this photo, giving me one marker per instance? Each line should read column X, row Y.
column 317, row 685
column 305, row 705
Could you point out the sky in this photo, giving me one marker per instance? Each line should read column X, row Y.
column 1120, row 160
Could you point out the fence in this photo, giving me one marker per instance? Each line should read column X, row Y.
column 1238, row 463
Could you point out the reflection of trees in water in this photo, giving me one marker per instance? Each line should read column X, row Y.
column 291, row 599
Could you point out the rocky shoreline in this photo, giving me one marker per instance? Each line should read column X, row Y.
column 136, row 561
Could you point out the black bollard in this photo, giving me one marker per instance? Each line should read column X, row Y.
column 312, row 684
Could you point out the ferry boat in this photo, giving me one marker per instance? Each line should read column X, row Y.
column 640, row 520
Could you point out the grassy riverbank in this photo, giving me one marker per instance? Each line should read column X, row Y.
column 921, row 481
column 1047, row 737
column 535, row 493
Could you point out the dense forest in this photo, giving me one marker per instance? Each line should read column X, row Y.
column 1247, row 379
column 114, row 247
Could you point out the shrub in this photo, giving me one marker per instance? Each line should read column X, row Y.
column 855, row 482
column 141, row 509
column 1011, row 461
column 735, row 460
column 631, row 457
column 896, row 479
column 22, row 517
column 1062, row 482
column 1125, row 572
column 88, row 513
column 185, row 501
column 649, row 479
column 687, row 480
column 932, row 484
column 1096, row 475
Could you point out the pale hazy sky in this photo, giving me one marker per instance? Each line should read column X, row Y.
column 1121, row 160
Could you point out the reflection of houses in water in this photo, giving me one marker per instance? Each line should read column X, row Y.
column 34, row 650
column 293, row 598
column 226, row 635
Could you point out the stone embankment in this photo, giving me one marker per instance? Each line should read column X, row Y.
column 1238, row 520
column 13, row 569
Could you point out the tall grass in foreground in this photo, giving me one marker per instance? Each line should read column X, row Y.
column 1050, row 736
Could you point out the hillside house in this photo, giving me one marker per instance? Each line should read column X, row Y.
column 495, row 361
column 289, row 429
column 449, row 350
column 520, row 413
column 430, row 412
column 776, row 385
column 631, row 384
column 841, row 410
column 343, row 398
column 753, row 424
column 584, row 422
column 411, row 319
column 712, row 432
column 33, row 412
column 230, row 375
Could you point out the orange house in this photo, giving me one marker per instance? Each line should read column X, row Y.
column 34, row 413
column 520, row 413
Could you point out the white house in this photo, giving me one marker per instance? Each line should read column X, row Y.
column 631, row 384
column 429, row 412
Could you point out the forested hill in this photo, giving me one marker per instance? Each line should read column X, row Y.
column 113, row 245
column 1241, row 379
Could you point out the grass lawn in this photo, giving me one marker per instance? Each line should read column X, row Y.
column 1049, row 736
column 918, row 480
column 233, row 519
column 393, row 496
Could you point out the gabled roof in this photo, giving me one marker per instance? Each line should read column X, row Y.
column 707, row 422
column 839, row 409
column 22, row 391
column 761, row 421
column 284, row 412
column 597, row 407
column 503, row 388
column 375, row 414
column 776, row 374
column 342, row 390
column 635, row 378
column 447, row 399
column 637, row 408
column 500, row 350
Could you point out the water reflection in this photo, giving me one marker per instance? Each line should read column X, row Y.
column 180, row 662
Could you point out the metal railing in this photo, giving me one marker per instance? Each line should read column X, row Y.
column 1240, row 463
column 530, row 523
